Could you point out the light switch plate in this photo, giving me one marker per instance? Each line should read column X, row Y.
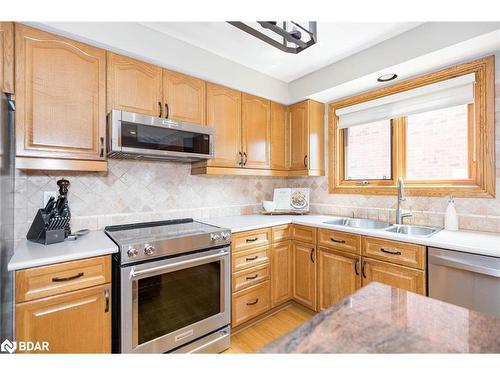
column 47, row 195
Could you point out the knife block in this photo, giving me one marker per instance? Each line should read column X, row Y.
column 40, row 233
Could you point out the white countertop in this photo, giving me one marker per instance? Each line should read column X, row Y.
column 30, row 254
column 484, row 243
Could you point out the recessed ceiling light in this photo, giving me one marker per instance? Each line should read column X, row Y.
column 387, row 77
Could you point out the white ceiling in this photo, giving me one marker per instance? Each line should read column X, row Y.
column 335, row 42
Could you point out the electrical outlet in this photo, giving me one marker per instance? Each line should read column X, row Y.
column 47, row 195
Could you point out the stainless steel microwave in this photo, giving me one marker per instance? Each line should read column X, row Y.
column 137, row 136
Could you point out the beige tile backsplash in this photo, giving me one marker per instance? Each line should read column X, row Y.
column 133, row 191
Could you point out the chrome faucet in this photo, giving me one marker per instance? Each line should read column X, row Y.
column 401, row 214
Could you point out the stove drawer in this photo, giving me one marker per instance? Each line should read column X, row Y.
column 252, row 276
column 251, row 302
column 250, row 258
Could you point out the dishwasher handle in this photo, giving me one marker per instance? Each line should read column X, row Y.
column 472, row 263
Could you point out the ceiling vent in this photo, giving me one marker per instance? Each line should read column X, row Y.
column 288, row 36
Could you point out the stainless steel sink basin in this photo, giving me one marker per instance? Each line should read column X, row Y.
column 359, row 223
column 413, row 230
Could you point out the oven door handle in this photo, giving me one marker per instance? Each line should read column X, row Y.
column 134, row 273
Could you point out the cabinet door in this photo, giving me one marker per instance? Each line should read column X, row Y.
column 279, row 137
column 133, row 85
column 256, row 131
column 316, row 137
column 60, row 97
column 338, row 276
column 281, row 272
column 304, row 270
column 224, row 114
column 394, row 275
column 299, row 134
column 184, row 97
column 75, row 322
column 7, row 57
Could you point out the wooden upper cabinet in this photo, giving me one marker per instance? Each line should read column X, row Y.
column 299, row 134
column 7, row 57
column 304, row 274
column 256, row 131
column 184, row 97
column 75, row 322
column 60, row 97
column 224, row 114
column 279, row 137
column 338, row 276
column 134, row 86
column 316, row 138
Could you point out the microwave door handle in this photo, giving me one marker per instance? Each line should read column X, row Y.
column 135, row 274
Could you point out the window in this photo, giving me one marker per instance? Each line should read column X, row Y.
column 437, row 145
column 435, row 131
column 372, row 165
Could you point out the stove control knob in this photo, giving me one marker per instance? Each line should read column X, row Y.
column 226, row 235
column 132, row 252
column 214, row 237
column 149, row 250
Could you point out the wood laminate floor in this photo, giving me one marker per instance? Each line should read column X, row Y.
column 258, row 335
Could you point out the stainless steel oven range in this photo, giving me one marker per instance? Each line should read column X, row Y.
column 171, row 287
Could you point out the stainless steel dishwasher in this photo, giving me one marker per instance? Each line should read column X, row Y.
column 467, row 280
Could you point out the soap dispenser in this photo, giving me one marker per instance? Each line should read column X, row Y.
column 451, row 217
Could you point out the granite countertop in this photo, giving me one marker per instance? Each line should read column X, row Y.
column 29, row 254
column 484, row 243
column 382, row 319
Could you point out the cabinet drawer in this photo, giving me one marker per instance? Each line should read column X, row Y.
column 402, row 253
column 250, row 302
column 304, row 233
column 252, row 276
column 250, row 239
column 38, row 282
column 339, row 240
column 281, row 233
column 250, row 258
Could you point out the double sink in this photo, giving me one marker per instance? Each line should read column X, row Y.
column 410, row 230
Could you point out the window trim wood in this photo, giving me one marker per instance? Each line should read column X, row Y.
column 482, row 182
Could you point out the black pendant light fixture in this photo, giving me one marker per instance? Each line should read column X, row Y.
column 290, row 36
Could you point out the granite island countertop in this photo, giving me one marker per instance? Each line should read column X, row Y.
column 382, row 319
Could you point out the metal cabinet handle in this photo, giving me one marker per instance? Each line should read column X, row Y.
column 356, row 263
column 252, row 239
column 253, row 277
column 337, row 241
column 167, row 110
column 363, row 268
column 253, row 303
column 161, row 109
column 305, row 161
column 101, row 140
column 59, row 279
column 246, row 159
column 106, row 296
column 392, row 252
column 240, row 163
column 311, row 255
column 252, row 258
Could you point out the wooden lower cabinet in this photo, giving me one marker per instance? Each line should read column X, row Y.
column 397, row 276
column 304, row 274
column 282, row 273
column 338, row 276
column 250, row 302
column 74, row 322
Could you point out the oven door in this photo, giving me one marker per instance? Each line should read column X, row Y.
column 171, row 302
